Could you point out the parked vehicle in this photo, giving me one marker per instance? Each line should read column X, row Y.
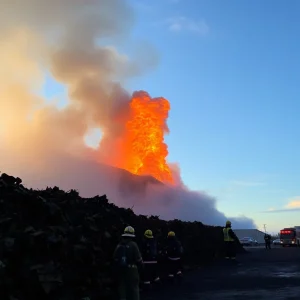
column 248, row 241
column 276, row 242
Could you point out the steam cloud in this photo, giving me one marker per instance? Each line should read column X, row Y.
column 45, row 145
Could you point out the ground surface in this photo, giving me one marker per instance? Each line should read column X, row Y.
column 261, row 274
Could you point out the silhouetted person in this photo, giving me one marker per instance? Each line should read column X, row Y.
column 267, row 241
column 230, row 239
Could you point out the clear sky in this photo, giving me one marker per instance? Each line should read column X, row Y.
column 231, row 71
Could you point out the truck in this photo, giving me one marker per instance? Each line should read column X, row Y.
column 290, row 236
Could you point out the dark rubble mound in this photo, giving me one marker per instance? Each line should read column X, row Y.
column 57, row 245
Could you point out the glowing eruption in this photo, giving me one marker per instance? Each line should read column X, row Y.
column 45, row 145
column 143, row 141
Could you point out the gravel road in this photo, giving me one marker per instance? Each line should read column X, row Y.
column 261, row 274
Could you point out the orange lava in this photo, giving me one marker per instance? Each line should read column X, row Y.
column 144, row 144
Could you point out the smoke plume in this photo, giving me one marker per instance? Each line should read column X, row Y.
column 45, row 145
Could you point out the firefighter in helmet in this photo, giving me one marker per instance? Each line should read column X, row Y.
column 229, row 238
column 174, row 253
column 149, row 254
column 128, row 259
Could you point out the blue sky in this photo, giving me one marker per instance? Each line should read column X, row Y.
column 231, row 71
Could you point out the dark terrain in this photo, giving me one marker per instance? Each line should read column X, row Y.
column 260, row 274
column 55, row 245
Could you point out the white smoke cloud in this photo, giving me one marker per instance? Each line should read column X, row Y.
column 45, row 145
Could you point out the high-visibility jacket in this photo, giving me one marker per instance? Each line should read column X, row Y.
column 227, row 237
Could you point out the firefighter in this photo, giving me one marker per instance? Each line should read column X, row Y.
column 149, row 254
column 267, row 238
column 229, row 238
column 174, row 252
column 128, row 260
